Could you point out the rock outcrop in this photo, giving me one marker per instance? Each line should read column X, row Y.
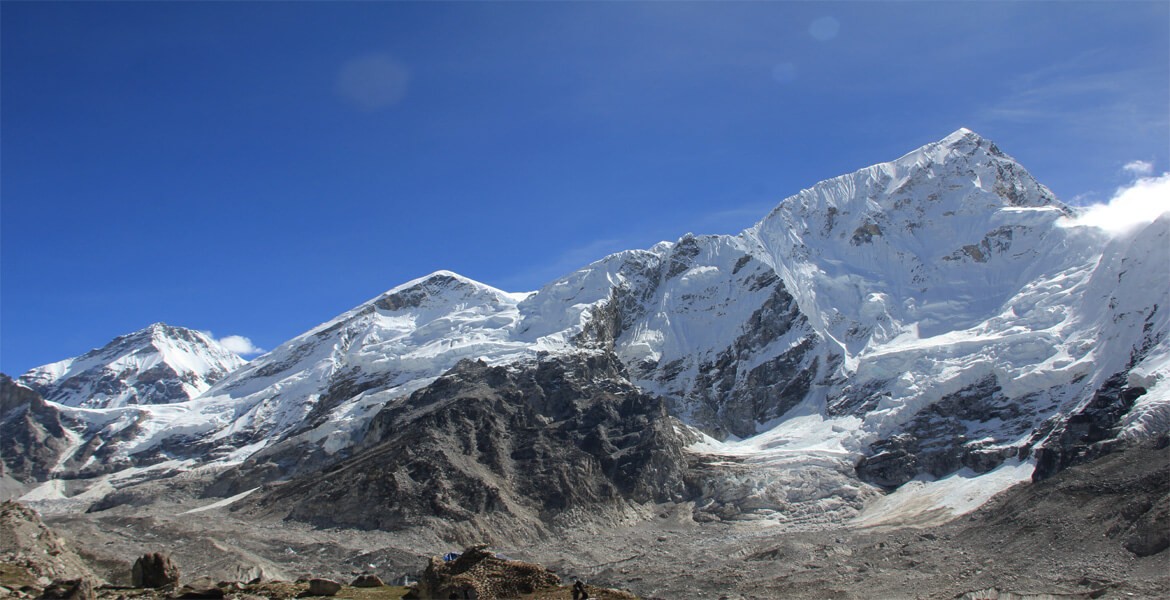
column 69, row 589
column 32, row 436
column 155, row 570
column 478, row 573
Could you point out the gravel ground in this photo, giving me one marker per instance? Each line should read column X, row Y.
column 1065, row 537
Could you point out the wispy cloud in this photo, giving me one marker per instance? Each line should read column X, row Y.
column 1085, row 92
column 1140, row 168
column 1136, row 204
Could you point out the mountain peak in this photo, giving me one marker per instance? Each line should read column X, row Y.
column 960, row 135
column 158, row 364
column 441, row 285
column 442, row 277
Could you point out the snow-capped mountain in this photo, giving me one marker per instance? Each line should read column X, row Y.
column 940, row 315
column 160, row 364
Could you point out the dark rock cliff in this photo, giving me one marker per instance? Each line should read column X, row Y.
column 32, row 438
column 526, row 442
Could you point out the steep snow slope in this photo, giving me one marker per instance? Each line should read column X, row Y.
column 325, row 383
column 318, row 389
column 160, row 364
column 700, row 321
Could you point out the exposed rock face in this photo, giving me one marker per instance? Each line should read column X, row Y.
column 949, row 435
column 658, row 318
column 1089, row 433
column 477, row 573
column 155, row 570
column 32, row 437
column 525, row 443
column 1151, row 530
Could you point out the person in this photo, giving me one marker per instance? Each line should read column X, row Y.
column 579, row 592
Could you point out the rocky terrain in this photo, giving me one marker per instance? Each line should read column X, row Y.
column 1096, row 530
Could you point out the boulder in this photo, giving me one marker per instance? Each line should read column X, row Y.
column 323, row 587
column 201, row 592
column 155, row 570
column 478, row 573
column 367, row 581
column 69, row 589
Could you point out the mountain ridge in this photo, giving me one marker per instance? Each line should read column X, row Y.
column 915, row 317
column 159, row 364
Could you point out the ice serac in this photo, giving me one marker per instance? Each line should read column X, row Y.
column 160, row 364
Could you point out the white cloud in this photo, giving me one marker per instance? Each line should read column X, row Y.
column 1140, row 168
column 1136, row 204
column 237, row 343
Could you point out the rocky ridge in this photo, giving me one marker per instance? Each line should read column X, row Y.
column 160, row 364
column 504, row 451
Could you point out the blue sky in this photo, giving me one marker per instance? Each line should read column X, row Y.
column 254, row 169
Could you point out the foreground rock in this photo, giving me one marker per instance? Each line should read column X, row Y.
column 29, row 547
column 367, row 581
column 155, row 570
column 323, row 587
column 69, row 589
column 477, row 573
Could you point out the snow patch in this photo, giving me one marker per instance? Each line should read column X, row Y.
column 221, row 503
column 924, row 502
